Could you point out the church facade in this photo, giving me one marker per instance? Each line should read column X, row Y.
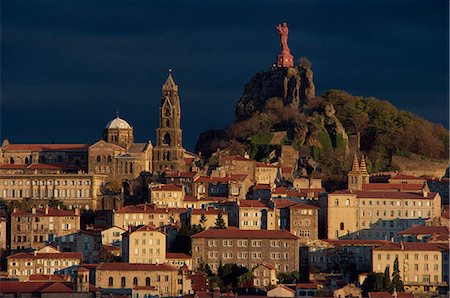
column 116, row 156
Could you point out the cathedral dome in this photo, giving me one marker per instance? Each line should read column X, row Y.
column 118, row 123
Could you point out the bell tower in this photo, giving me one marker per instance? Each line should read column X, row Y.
column 169, row 152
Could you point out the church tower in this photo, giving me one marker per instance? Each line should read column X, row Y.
column 169, row 152
column 358, row 175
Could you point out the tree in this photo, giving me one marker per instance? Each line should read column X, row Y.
column 374, row 282
column 220, row 223
column 203, row 220
column 396, row 283
column 203, row 267
column 387, row 279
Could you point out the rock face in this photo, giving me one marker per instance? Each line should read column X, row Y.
column 294, row 85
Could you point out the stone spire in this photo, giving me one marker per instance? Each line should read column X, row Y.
column 362, row 165
column 170, row 85
column 355, row 166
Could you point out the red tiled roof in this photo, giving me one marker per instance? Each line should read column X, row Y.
column 146, row 229
column 414, row 246
column 303, row 206
column 47, row 147
column 57, row 287
column 38, row 166
column 252, row 204
column 177, row 255
column 47, row 255
column 306, row 286
column 226, row 179
column 262, row 187
column 122, row 266
column 425, row 230
column 181, row 174
column 41, row 212
column 400, row 176
column 167, row 187
column 285, row 287
column 391, row 186
column 286, row 170
column 233, row 232
column 283, row 203
column 288, row 192
column 142, row 288
column 393, row 195
column 49, row 277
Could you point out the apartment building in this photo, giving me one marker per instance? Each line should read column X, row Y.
column 167, row 195
column 266, row 173
column 423, row 267
column 246, row 248
column 47, row 260
column 256, row 215
column 143, row 244
column 148, row 215
column 33, row 229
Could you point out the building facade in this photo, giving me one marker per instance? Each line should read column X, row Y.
column 144, row 244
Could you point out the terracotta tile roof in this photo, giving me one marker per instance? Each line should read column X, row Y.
column 146, row 229
column 283, row 203
column 235, row 157
column 252, row 204
column 205, row 200
column 233, row 232
column 270, row 266
column 47, row 147
column 45, row 255
column 167, row 187
column 303, row 206
column 287, row 170
column 262, row 187
column 177, row 255
column 316, row 191
column 400, row 176
column 284, row 287
column 41, row 212
column 392, row 187
column 49, row 277
column 414, row 246
column 393, row 195
column 288, row 192
column 425, row 230
column 38, row 166
column 122, row 266
column 306, row 286
column 180, row 174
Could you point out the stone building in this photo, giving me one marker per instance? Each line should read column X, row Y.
column 167, row 195
column 47, row 260
column 358, row 175
column 145, row 214
column 3, row 229
column 169, row 152
column 256, row 215
column 112, row 236
column 144, row 244
column 304, row 222
column 234, row 165
column 264, row 276
column 423, row 266
column 74, row 190
column 33, row 229
column 266, row 173
column 210, row 215
column 179, row 260
column 165, row 279
column 247, row 248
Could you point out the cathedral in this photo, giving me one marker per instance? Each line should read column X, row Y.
column 116, row 156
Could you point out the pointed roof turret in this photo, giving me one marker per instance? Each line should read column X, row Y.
column 362, row 165
column 355, row 166
column 170, row 83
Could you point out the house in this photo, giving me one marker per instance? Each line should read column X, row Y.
column 256, row 215
column 112, row 236
column 143, row 244
column 281, row 291
column 167, row 195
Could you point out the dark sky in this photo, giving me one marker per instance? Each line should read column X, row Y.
column 67, row 66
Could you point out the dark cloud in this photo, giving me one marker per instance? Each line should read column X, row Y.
column 67, row 66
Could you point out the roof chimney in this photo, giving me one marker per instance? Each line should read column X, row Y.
column 46, row 209
column 33, row 209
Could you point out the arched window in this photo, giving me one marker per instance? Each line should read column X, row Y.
column 347, row 202
column 109, row 158
column 167, row 139
column 131, row 167
column 104, row 158
column 123, row 282
column 135, row 281
column 147, row 282
column 110, row 282
column 11, row 160
column 167, row 123
column 341, row 226
column 336, row 202
column 98, row 158
column 26, row 160
column 167, row 113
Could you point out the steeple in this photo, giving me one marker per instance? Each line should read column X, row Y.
column 355, row 166
column 170, row 85
column 362, row 165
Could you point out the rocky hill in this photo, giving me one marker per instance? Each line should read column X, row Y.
column 318, row 127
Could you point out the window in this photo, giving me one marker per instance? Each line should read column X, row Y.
column 341, row 226
column 123, row 282
column 110, row 282
column 147, row 282
column 135, row 281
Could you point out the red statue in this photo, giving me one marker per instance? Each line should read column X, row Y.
column 285, row 59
